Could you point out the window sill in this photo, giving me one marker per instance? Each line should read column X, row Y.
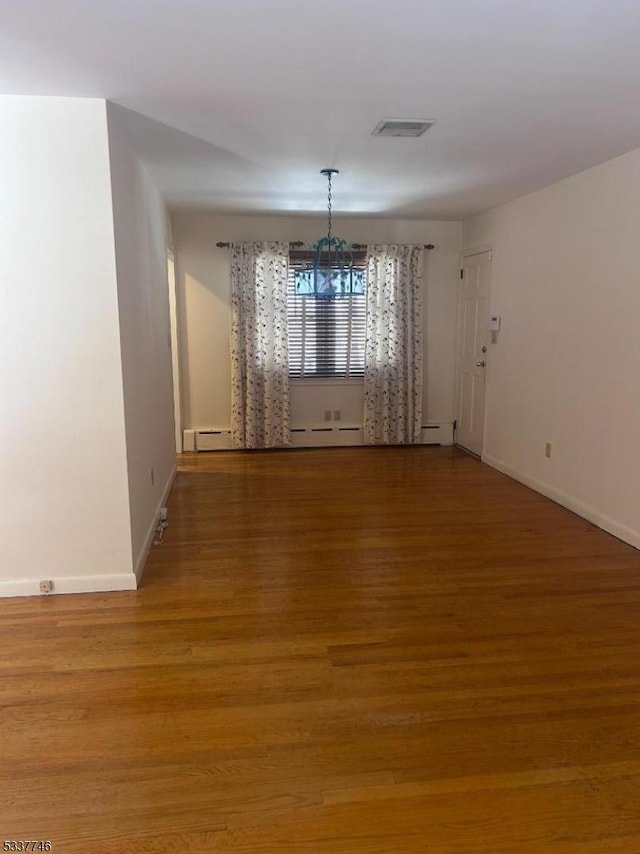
column 340, row 381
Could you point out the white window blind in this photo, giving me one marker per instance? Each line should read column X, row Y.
column 326, row 336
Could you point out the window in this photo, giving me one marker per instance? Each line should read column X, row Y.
column 326, row 334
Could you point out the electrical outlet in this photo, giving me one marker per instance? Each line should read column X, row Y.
column 46, row 586
column 337, row 415
column 547, row 450
column 327, row 415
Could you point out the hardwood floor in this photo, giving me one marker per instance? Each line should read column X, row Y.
column 336, row 651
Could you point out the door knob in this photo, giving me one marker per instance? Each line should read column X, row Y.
column 481, row 363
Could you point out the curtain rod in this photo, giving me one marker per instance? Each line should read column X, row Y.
column 298, row 243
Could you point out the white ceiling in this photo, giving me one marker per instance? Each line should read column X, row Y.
column 236, row 105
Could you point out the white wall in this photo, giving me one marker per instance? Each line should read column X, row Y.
column 204, row 308
column 63, row 477
column 141, row 242
column 566, row 368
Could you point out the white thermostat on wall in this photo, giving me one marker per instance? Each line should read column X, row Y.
column 494, row 323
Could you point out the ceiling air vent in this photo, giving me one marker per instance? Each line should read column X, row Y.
column 403, row 127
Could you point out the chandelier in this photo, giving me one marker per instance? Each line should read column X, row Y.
column 331, row 273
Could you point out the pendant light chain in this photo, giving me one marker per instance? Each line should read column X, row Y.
column 329, row 205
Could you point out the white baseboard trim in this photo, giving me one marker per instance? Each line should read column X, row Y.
column 326, row 434
column 151, row 531
column 11, row 587
column 611, row 526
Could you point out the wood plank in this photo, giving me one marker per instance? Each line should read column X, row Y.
column 335, row 651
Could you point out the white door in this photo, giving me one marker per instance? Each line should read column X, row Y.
column 472, row 349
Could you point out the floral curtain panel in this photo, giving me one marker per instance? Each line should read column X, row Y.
column 393, row 349
column 259, row 352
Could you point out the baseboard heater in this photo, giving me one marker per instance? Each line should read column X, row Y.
column 331, row 435
column 310, row 436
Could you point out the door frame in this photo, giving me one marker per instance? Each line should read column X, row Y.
column 476, row 249
column 174, row 340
